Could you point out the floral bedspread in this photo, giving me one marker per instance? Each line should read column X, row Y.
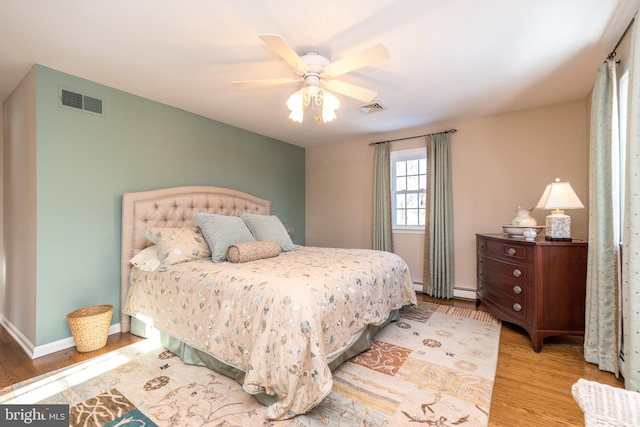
column 279, row 319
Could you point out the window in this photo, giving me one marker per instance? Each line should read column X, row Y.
column 409, row 188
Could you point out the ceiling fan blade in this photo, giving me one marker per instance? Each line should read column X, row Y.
column 362, row 59
column 351, row 90
column 264, row 82
column 279, row 46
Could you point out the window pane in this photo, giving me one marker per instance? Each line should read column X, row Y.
column 423, row 182
column 412, row 183
column 400, row 201
column 412, row 200
column 401, row 168
column 412, row 167
column 421, row 216
column 423, row 166
column 412, row 216
column 400, row 217
column 422, row 199
column 401, row 183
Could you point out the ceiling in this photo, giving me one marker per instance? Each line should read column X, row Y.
column 449, row 59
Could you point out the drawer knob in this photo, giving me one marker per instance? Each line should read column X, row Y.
column 517, row 307
column 511, row 251
column 517, row 289
column 517, row 273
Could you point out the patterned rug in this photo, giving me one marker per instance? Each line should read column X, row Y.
column 435, row 366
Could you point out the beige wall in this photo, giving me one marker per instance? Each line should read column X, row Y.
column 498, row 163
column 19, row 210
column 2, row 265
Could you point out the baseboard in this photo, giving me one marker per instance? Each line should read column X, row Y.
column 461, row 293
column 65, row 343
column 465, row 293
column 15, row 333
column 38, row 351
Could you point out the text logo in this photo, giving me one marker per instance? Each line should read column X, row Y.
column 34, row 415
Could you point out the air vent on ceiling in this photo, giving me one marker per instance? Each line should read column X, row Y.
column 370, row 108
column 80, row 101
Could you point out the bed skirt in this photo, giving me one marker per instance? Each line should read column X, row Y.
column 193, row 356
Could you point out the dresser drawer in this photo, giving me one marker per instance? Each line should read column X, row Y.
column 509, row 250
column 509, row 280
column 512, row 302
column 502, row 274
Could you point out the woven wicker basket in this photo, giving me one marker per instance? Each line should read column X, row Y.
column 607, row 406
column 90, row 326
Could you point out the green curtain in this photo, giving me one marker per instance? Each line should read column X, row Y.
column 382, row 239
column 631, row 229
column 601, row 340
column 438, row 276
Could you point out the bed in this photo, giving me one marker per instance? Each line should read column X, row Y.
column 278, row 324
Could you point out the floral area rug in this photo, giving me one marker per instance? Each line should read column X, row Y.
column 435, row 366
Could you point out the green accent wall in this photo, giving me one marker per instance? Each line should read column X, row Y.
column 84, row 163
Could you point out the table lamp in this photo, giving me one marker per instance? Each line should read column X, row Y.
column 559, row 196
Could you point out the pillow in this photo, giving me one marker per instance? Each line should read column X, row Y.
column 177, row 244
column 222, row 231
column 268, row 227
column 147, row 259
column 252, row 251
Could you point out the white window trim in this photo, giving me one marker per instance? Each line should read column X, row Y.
column 408, row 229
column 405, row 155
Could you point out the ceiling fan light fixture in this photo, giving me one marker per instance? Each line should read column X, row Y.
column 329, row 106
column 318, row 71
column 318, row 99
column 295, row 104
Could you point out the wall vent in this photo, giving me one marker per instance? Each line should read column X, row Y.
column 370, row 108
column 81, row 102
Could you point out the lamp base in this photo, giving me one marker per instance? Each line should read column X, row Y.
column 558, row 227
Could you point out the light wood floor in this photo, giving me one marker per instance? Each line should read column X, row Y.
column 531, row 389
column 534, row 389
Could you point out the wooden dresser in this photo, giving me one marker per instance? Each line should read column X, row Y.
column 539, row 285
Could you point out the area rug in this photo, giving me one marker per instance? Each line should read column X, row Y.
column 435, row 366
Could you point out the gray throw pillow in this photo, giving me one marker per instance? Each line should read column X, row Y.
column 222, row 231
column 268, row 227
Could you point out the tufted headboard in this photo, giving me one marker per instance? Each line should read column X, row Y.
column 173, row 207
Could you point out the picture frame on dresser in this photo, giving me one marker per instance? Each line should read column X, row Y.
column 539, row 285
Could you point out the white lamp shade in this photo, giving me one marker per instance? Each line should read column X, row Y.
column 559, row 195
column 318, row 98
column 295, row 104
column 329, row 105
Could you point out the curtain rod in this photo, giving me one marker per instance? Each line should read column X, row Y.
column 613, row 51
column 417, row 136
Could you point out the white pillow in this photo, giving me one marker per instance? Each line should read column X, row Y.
column 147, row 259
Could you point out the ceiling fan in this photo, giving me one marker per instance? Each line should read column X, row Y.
column 318, row 71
